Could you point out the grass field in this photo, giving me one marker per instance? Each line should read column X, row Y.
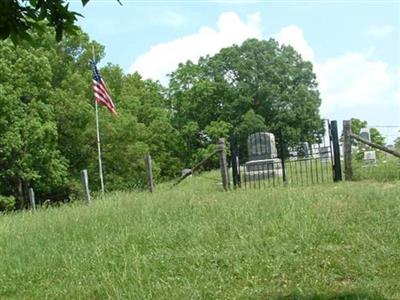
column 385, row 170
column 327, row 241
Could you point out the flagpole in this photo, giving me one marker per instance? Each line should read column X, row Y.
column 98, row 138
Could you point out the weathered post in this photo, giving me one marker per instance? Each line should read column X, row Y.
column 223, row 163
column 348, row 172
column 337, row 175
column 31, row 195
column 149, row 172
column 85, row 183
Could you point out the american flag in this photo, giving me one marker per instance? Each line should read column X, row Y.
column 101, row 94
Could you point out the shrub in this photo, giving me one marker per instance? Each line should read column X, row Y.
column 7, row 203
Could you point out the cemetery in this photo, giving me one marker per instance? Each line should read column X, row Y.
column 199, row 150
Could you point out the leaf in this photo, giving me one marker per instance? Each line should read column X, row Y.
column 84, row 2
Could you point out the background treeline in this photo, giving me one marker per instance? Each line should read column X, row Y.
column 47, row 120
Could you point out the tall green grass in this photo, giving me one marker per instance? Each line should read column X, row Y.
column 386, row 169
column 330, row 241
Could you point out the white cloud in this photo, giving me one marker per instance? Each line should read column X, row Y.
column 380, row 31
column 353, row 84
column 354, row 80
column 163, row 58
column 173, row 19
column 396, row 93
column 293, row 36
column 347, row 80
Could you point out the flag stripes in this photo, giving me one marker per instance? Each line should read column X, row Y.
column 101, row 93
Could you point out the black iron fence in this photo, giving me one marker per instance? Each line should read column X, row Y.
column 266, row 160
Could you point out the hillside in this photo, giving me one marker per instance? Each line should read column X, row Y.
column 332, row 241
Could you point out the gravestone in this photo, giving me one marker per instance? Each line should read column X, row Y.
column 294, row 154
column 324, row 153
column 186, row 171
column 263, row 158
column 315, row 150
column 370, row 157
column 305, row 149
column 364, row 133
column 261, row 145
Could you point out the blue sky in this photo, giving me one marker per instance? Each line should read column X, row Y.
column 354, row 45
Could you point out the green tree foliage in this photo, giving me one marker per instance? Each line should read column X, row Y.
column 258, row 84
column 375, row 135
column 28, row 128
column 47, row 121
column 18, row 18
column 250, row 123
column 142, row 126
column 357, row 124
column 7, row 203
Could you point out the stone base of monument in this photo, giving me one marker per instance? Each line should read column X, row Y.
column 370, row 157
column 262, row 169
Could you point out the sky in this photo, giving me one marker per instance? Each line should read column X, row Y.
column 354, row 45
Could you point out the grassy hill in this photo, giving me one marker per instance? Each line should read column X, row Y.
column 331, row 241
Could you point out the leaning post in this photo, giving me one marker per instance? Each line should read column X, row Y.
column 85, row 183
column 348, row 171
column 223, row 163
column 149, row 173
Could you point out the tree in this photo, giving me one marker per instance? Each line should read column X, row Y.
column 250, row 123
column 143, row 126
column 47, row 122
column 375, row 135
column 28, row 131
column 260, row 80
column 18, row 18
column 357, row 125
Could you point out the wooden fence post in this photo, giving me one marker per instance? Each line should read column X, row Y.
column 348, row 171
column 149, row 172
column 31, row 195
column 85, row 183
column 223, row 163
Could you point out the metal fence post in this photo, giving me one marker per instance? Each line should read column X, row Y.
column 235, row 161
column 282, row 155
column 337, row 174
